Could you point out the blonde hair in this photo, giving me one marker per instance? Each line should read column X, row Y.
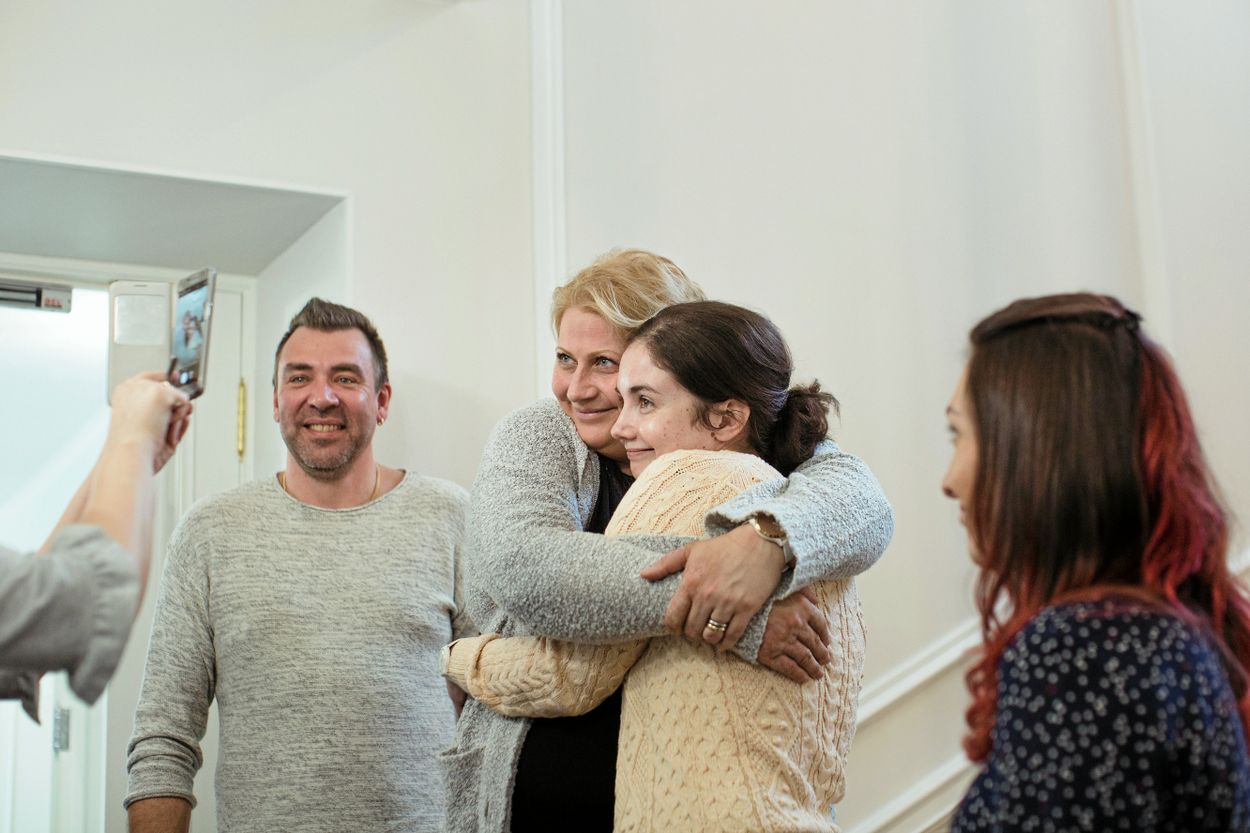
column 625, row 287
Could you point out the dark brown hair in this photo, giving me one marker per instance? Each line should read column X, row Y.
column 719, row 351
column 1090, row 482
column 328, row 317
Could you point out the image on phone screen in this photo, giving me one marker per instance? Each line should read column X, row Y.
column 192, row 312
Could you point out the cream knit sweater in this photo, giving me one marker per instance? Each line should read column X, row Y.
column 708, row 742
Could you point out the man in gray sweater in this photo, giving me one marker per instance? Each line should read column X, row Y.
column 312, row 606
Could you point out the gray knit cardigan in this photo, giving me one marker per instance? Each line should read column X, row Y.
column 529, row 569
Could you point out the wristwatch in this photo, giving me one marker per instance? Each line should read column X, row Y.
column 766, row 527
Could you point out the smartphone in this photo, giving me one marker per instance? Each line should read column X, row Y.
column 193, row 318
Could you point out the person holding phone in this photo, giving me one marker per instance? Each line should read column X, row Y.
column 70, row 606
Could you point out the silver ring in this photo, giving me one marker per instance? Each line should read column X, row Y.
column 713, row 625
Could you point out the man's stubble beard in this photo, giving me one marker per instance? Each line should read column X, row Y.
column 312, row 459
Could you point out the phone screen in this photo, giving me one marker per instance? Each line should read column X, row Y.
column 190, row 333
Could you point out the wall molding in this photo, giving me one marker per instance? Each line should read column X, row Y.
column 1143, row 171
column 547, row 134
column 941, row 789
column 914, row 673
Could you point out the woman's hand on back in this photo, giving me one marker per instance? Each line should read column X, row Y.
column 797, row 638
column 726, row 581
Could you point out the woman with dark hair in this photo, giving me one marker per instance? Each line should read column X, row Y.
column 708, row 742
column 1111, row 692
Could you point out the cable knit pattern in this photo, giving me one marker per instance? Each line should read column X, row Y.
column 708, row 741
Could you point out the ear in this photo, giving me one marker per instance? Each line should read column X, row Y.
column 729, row 420
column 384, row 401
column 275, row 403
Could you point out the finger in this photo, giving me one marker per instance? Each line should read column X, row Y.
column 788, row 668
column 677, row 612
column 714, row 629
column 180, row 430
column 809, row 644
column 818, row 649
column 696, row 619
column 809, row 594
column 818, row 622
column 737, row 627
column 667, row 564
column 804, row 659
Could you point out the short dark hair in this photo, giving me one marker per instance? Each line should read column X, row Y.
column 328, row 317
column 720, row 351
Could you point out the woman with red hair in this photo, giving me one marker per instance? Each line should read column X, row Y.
column 1112, row 691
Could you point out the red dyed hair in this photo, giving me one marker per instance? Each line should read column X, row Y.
column 1090, row 482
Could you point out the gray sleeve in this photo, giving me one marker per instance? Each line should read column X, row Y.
column 833, row 511
column 179, row 680
column 527, row 555
column 461, row 622
column 70, row 609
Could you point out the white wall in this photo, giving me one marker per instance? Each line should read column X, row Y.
column 1198, row 101
column 877, row 177
column 419, row 111
column 316, row 265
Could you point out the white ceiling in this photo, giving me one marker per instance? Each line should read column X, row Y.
column 52, row 209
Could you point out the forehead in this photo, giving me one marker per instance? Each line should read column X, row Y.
column 587, row 331
column 638, row 368
column 327, row 349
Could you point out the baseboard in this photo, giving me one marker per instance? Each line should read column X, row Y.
column 927, row 805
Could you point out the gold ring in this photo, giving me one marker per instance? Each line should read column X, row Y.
column 713, row 625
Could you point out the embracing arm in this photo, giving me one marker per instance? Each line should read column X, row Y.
column 835, row 518
column 533, row 676
column 527, row 555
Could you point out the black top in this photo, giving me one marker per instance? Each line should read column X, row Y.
column 566, row 775
column 1112, row 716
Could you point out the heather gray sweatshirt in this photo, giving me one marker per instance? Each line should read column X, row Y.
column 318, row 632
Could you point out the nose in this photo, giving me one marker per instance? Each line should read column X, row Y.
column 947, row 489
column 579, row 388
column 323, row 397
column 623, row 428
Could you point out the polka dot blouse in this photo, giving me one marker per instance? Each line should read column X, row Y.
column 1111, row 716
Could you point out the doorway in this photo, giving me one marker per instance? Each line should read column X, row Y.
column 53, row 370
